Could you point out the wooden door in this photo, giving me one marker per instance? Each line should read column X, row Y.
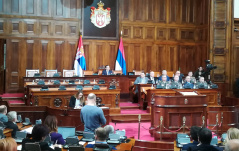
column 2, row 83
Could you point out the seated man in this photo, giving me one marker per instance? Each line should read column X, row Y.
column 193, row 79
column 188, row 83
column 164, row 72
column 91, row 115
column 109, row 129
column 152, row 78
column 176, row 84
column 141, row 80
column 3, row 112
column 178, row 73
column 194, row 135
column 201, row 83
column 100, row 138
column 107, row 71
column 164, row 83
column 205, row 137
column 12, row 118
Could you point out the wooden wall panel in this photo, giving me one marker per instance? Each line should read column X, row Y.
column 157, row 35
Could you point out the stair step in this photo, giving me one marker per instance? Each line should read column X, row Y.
column 129, row 107
column 129, row 118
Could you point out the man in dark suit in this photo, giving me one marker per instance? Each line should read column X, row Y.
column 12, row 118
column 142, row 79
column 164, row 72
column 178, row 73
column 107, row 71
column 194, row 135
column 152, row 78
column 176, row 84
column 205, row 137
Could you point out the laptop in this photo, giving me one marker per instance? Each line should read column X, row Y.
column 38, row 122
column 214, row 141
column 114, row 139
column 182, row 139
column 88, row 137
column 20, row 136
column 27, row 121
column 67, row 131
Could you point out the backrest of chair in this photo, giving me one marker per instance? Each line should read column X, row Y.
column 100, row 71
column 117, row 71
column 153, row 146
column 88, row 72
column 32, row 147
column 30, row 73
column 157, row 74
column 170, row 73
column 50, row 73
column 137, row 72
column 68, row 73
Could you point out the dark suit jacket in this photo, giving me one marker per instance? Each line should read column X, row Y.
column 105, row 73
column 12, row 126
column 186, row 146
column 204, row 147
column 154, row 81
column 73, row 102
column 160, row 78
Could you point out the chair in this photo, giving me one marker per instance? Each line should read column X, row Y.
column 170, row 73
column 157, row 74
column 88, row 72
column 100, row 71
column 31, row 73
column 68, row 73
column 137, row 72
column 117, row 72
column 32, row 147
column 50, row 73
column 126, row 146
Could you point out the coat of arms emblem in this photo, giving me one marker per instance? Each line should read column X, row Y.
column 100, row 17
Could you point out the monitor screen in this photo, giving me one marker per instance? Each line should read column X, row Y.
column 66, row 131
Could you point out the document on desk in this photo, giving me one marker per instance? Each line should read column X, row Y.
column 28, row 130
column 81, row 142
column 188, row 93
column 19, row 147
column 93, row 142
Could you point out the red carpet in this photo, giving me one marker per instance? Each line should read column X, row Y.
column 16, row 102
column 7, row 95
column 131, row 130
column 134, row 111
column 123, row 104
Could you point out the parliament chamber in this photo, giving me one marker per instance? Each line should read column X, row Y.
column 42, row 43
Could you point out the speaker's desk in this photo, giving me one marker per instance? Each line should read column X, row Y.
column 55, row 98
column 213, row 96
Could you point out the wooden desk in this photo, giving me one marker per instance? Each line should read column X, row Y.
column 173, row 109
column 213, row 96
column 60, row 98
column 71, row 117
column 123, row 81
column 30, row 85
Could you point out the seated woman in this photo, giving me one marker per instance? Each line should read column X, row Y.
column 77, row 100
column 8, row 144
column 51, row 123
column 232, row 133
column 39, row 133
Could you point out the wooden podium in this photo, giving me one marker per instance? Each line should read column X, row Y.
column 176, row 111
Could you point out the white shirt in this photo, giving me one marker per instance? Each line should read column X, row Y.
column 77, row 102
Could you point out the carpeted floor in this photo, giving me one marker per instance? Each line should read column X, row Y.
column 131, row 130
column 133, row 111
column 6, row 95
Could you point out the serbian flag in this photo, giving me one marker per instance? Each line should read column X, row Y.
column 120, row 63
column 80, row 63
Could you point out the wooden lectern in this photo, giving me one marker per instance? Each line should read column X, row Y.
column 175, row 112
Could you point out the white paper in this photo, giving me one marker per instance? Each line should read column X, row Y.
column 81, row 143
column 188, row 93
column 91, row 142
column 28, row 130
column 19, row 147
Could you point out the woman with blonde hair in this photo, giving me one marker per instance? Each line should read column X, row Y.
column 8, row 144
column 77, row 100
column 51, row 123
column 232, row 133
